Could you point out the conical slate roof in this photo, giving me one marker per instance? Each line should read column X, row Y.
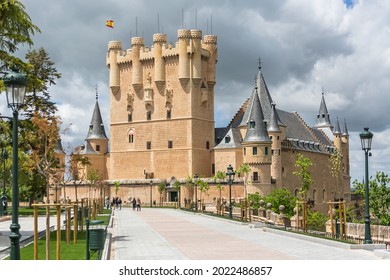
column 337, row 130
column 345, row 131
column 323, row 119
column 256, row 131
column 96, row 127
column 273, row 125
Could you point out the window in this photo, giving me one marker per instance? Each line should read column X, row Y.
column 148, row 115
column 170, row 144
column 227, row 139
column 148, row 145
column 169, row 114
column 131, row 138
column 244, row 151
column 255, row 176
column 97, row 148
column 254, row 151
column 252, row 124
column 213, row 168
column 207, row 145
column 129, row 117
column 266, row 151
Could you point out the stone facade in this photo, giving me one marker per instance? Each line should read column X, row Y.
column 162, row 127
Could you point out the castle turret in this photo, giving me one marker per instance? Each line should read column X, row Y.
column 196, row 75
column 137, row 74
column 184, row 37
column 275, row 133
column 159, row 40
column 257, row 148
column 97, row 137
column 210, row 44
column 114, row 47
column 323, row 119
column 337, row 136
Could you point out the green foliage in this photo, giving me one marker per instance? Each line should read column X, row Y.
column 117, row 185
column 219, row 176
column 161, row 187
column 176, row 185
column 203, row 186
column 254, row 199
column 16, row 28
column 336, row 170
column 317, row 220
column 281, row 197
column 303, row 163
column 379, row 195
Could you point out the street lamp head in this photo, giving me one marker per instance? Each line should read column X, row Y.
column 366, row 139
column 230, row 171
column 15, row 84
column 151, row 182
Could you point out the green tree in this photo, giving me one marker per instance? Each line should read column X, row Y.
column 42, row 75
column 161, row 188
column 245, row 169
column 176, row 186
column 281, row 197
column 16, row 28
column 218, row 177
column 303, row 163
column 203, row 187
column 336, row 171
column 117, row 185
column 379, row 194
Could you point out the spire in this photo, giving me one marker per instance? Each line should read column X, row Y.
column 345, row 130
column 58, row 148
column 273, row 125
column 256, row 131
column 323, row 115
column 96, row 127
column 337, row 130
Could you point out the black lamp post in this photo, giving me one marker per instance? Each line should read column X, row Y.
column 196, row 191
column 230, row 173
column 366, row 139
column 15, row 84
column 3, row 206
column 151, row 185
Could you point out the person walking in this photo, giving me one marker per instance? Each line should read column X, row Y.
column 120, row 203
column 134, row 202
column 138, row 204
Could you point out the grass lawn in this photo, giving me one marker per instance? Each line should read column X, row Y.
column 71, row 251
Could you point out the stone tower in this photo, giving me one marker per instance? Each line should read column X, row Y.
column 162, row 106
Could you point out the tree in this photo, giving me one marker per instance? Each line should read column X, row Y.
column 244, row 169
column 176, row 186
column 94, row 178
column 303, row 163
column 336, row 171
column 117, row 185
column 379, row 194
column 77, row 164
column 203, row 187
column 281, row 197
column 161, row 188
column 219, row 176
column 42, row 75
column 16, row 28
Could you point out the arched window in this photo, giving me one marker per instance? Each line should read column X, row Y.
column 131, row 136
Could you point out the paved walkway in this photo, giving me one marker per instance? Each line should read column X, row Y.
column 168, row 234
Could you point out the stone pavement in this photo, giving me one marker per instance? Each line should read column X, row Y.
column 168, row 234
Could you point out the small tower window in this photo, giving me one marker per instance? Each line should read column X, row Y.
column 207, row 145
column 129, row 117
column 169, row 114
column 266, row 151
column 244, row 151
column 97, row 148
column 131, row 138
column 254, row 151
column 227, row 139
column 148, row 145
column 170, row 144
column 252, row 124
column 90, row 126
column 148, row 115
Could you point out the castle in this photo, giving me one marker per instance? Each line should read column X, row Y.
column 162, row 126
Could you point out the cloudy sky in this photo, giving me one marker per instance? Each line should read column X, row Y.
column 341, row 47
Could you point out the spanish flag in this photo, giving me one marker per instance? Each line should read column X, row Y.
column 110, row 23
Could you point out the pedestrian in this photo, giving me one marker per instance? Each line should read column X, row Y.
column 120, row 203
column 113, row 203
column 116, row 202
column 134, row 202
column 138, row 204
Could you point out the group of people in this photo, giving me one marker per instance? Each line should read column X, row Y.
column 136, row 204
column 116, row 203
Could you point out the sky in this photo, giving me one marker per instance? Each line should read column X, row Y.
column 341, row 48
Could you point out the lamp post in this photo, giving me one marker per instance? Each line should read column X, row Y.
column 230, row 173
column 15, row 84
column 366, row 139
column 3, row 206
column 196, row 191
column 151, row 184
